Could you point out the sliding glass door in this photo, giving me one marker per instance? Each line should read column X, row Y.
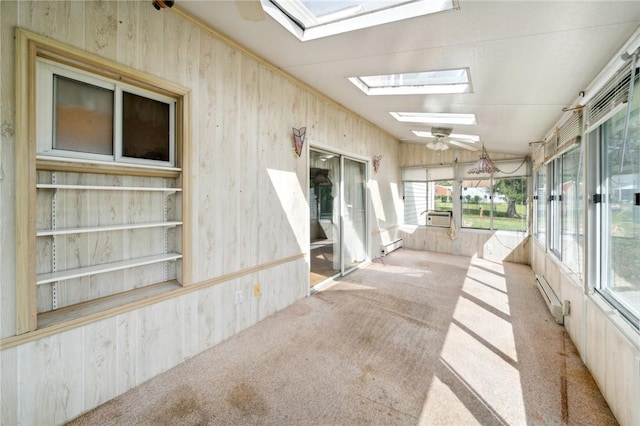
column 337, row 207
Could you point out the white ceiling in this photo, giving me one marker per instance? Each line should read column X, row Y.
column 527, row 59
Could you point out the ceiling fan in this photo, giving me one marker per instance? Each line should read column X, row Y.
column 442, row 138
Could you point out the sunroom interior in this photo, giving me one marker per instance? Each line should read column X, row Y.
column 180, row 171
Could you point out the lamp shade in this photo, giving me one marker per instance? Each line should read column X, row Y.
column 484, row 165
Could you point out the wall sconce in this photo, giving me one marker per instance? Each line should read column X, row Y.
column 161, row 4
column 376, row 162
column 298, row 139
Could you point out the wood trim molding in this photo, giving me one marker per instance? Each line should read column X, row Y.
column 25, row 186
column 13, row 341
column 62, row 165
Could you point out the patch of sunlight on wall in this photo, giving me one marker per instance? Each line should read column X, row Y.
column 397, row 202
column 378, row 208
column 494, row 381
column 442, row 406
column 293, row 203
column 487, row 294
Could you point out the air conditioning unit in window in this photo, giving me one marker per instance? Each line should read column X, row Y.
column 437, row 218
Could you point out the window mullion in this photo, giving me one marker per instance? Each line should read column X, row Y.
column 117, row 123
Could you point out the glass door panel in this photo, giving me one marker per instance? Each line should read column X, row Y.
column 324, row 210
column 353, row 214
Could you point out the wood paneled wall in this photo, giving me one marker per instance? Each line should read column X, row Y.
column 249, row 196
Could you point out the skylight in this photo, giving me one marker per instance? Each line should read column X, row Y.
column 417, row 83
column 434, row 118
column 312, row 19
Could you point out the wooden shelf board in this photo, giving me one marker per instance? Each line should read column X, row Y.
column 106, row 188
column 106, row 267
column 105, row 228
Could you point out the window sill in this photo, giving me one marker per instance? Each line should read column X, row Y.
column 60, row 164
column 104, row 304
column 631, row 333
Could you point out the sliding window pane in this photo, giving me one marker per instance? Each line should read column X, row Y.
column 145, row 128
column 572, row 212
column 509, row 204
column 476, row 203
column 83, row 117
column 621, row 215
column 440, row 195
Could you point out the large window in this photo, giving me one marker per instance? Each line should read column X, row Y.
column 566, row 209
column 497, row 201
column 492, row 202
column 427, row 190
column 615, row 199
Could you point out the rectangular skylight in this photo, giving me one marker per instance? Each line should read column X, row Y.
column 312, row 19
column 417, row 83
column 434, row 118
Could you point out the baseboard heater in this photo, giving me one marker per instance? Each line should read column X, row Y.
column 391, row 246
column 553, row 303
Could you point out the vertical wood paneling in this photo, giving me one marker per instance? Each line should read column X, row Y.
column 101, row 36
column 248, row 186
column 51, row 378
column 159, row 339
column 128, row 28
column 189, row 328
column 9, row 386
column 227, row 146
column 150, row 40
column 100, row 362
column 206, row 329
column 174, row 44
column 209, row 201
column 126, row 347
column 56, row 19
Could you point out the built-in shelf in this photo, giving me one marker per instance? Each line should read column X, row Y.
column 105, row 267
column 65, row 231
column 106, row 188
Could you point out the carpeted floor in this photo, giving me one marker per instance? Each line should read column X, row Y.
column 422, row 339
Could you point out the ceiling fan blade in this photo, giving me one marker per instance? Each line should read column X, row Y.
column 463, row 145
column 251, row 10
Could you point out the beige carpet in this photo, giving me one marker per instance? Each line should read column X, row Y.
column 422, row 339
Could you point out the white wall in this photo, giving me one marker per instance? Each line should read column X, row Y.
column 249, row 203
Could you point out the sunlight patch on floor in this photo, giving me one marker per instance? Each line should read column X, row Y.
column 487, row 293
column 479, row 348
column 494, row 381
column 487, row 327
column 443, row 406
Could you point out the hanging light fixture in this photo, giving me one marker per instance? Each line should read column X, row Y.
column 484, row 165
column 437, row 145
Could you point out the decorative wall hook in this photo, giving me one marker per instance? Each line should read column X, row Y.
column 298, row 139
column 161, row 4
column 376, row 162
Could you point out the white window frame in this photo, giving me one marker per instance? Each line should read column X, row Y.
column 46, row 69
